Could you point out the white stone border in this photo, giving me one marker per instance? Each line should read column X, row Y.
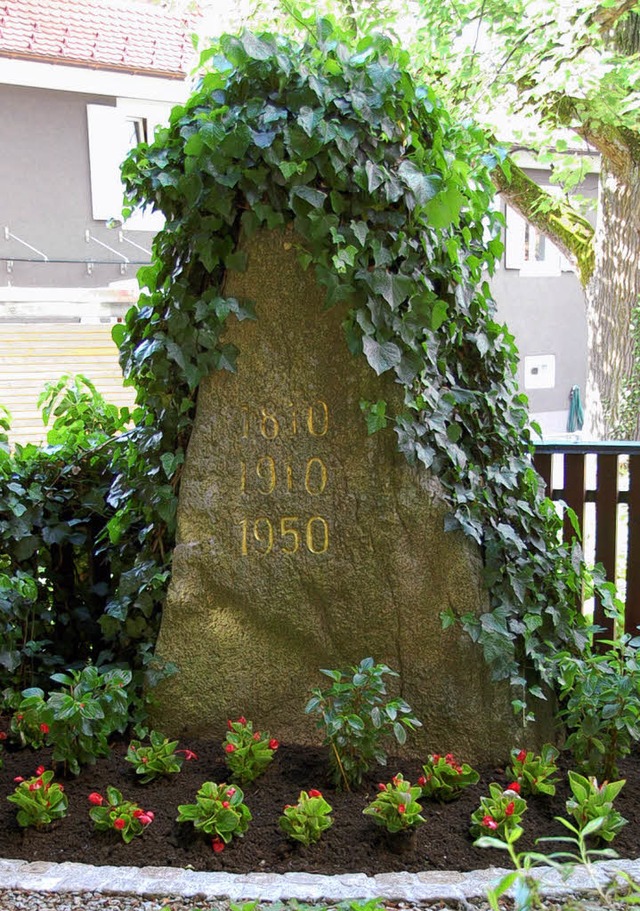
column 171, row 882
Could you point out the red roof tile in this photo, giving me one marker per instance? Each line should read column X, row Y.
column 103, row 34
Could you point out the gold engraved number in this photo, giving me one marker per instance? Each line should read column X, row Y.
column 315, row 477
column 266, row 471
column 318, row 540
column 263, row 533
column 269, row 426
column 316, row 535
column 288, row 531
column 318, row 419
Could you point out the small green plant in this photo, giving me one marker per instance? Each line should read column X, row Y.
column 119, row 815
column 40, row 800
column 306, row 820
column 396, row 807
column 443, row 777
column 356, row 718
column 499, row 813
column 535, row 773
column 524, row 887
column 247, row 752
column 592, row 801
column 159, row 758
column 219, row 811
column 78, row 720
column 601, row 696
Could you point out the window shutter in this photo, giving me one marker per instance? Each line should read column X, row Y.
column 514, row 239
column 107, row 149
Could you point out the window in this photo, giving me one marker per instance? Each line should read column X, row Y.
column 530, row 251
column 113, row 132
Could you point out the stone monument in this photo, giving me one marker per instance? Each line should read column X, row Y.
column 303, row 543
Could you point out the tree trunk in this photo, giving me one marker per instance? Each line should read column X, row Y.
column 613, row 384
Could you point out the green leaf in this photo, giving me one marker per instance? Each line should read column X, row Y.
column 381, row 357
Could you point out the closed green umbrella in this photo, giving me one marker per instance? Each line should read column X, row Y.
column 576, row 414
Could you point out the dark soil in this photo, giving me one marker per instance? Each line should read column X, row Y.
column 352, row 844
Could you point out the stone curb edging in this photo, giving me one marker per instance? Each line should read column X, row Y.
column 44, row 876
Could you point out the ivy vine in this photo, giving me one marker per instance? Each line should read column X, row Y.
column 390, row 200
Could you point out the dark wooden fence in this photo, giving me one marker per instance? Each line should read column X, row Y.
column 614, row 463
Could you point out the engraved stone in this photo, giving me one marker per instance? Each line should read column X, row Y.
column 303, row 543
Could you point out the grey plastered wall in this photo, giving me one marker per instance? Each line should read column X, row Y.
column 45, row 193
column 547, row 316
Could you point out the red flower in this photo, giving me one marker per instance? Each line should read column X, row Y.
column 522, row 755
column 231, row 792
column 96, row 799
column 510, row 807
column 242, row 720
column 256, row 736
column 514, row 786
column 273, row 744
column 19, row 717
column 489, row 822
column 435, row 757
column 44, row 728
column 422, row 781
column 229, row 748
column 3, row 735
column 119, row 823
column 138, row 813
column 314, row 793
column 145, row 819
column 217, row 844
column 18, row 779
column 188, row 754
column 225, row 804
column 402, row 809
column 151, row 815
column 144, row 760
column 35, row 785
column 40, row 770
column 381, row 786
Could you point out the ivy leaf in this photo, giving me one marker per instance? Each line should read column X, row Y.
column 423, row 186
column 315, row 198
column 381, row 357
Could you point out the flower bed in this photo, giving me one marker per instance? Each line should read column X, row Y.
column 352, row 844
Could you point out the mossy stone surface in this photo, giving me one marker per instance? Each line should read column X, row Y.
column 304, row 543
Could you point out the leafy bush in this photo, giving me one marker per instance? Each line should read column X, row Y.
column 306, row 820
column 356, row 719
column 115, row 814
column 396, row 807
column 535, row 773
column 159, row 757
column 591, row 801
column 600, row 696
column 40, row 800
column 219, row 811
column 78, row 720
column 248, row 753
column 443, row 777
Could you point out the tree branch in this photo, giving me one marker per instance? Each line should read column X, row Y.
column 607, row 16
column 554, row 218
